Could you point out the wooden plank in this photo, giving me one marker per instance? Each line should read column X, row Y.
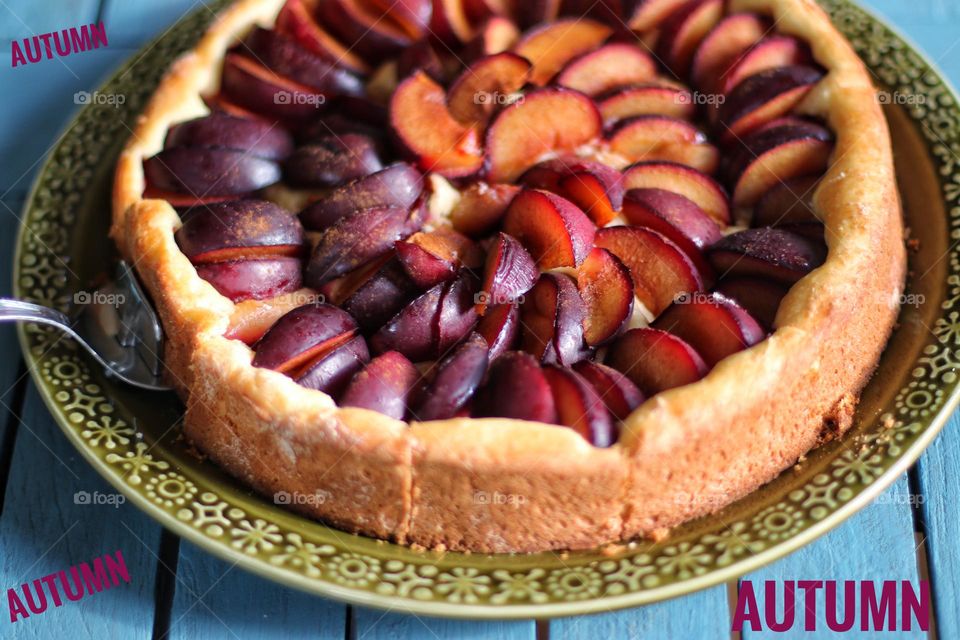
column 215, row 599
column 670, row 619
column 876, row 544
column 372, row 624
column 939, row 475
column 20, row 20
column 45, row 528
column 10, row 206
column 131, row 24
column 50, row 89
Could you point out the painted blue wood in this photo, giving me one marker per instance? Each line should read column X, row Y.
column 41, row 99
column 372, row 624
column 933, row 27
column 216, row 599
column 10, row 205
column 22, row 19
column 129, row 24
column 46, row 528
column 877, row 544
column 661, row 621
column 939, row 473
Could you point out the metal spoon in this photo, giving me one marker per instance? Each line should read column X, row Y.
column 116, row 324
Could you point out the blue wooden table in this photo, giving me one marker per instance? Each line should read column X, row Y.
column 911, row 532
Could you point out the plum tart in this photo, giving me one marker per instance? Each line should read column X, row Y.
column 629, row 262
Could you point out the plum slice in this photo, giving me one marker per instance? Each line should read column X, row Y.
column 594, row 187
column 615, row 389
column 286, row 57
column 551, row 228
column 203, row 172
column 547, row 120
column 486, row 85
column 713, row 325
column 398, row 185
column 675, row 216
column 421, row 121
column 764, row 97
column 660, row 269
column 759, row 296
column 332, row 160
column 606, row 287
column 384, row 385
column 551, row 321
column 238, row 229
column 687, row 181
column 655, row 360
column 500, row 327
column 516, row 388
column 220, row 130
column 550, row 46
column 650, row 138
column 456, row 379
column 580, row 407
column 645, row 100
column 256, row 279
column 331, row 373
column 776, row 254
column 359, row 238
column 508, row 274
column 611, row 66
column 301, row 336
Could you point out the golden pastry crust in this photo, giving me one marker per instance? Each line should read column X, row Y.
column 509, row 486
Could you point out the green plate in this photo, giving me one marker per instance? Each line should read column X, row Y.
column 133, row 438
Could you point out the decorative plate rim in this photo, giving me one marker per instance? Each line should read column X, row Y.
column 461, row 607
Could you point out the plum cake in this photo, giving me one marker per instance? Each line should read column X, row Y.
column 627, row 260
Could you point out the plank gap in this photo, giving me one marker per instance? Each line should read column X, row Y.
column 733, row 592
column 543, row 629
column 166, row 584
column 920, row 536
column 9, row 433
column 350, row 626
column 102, row 10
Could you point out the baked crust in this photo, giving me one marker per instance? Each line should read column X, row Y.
column 496, row 485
